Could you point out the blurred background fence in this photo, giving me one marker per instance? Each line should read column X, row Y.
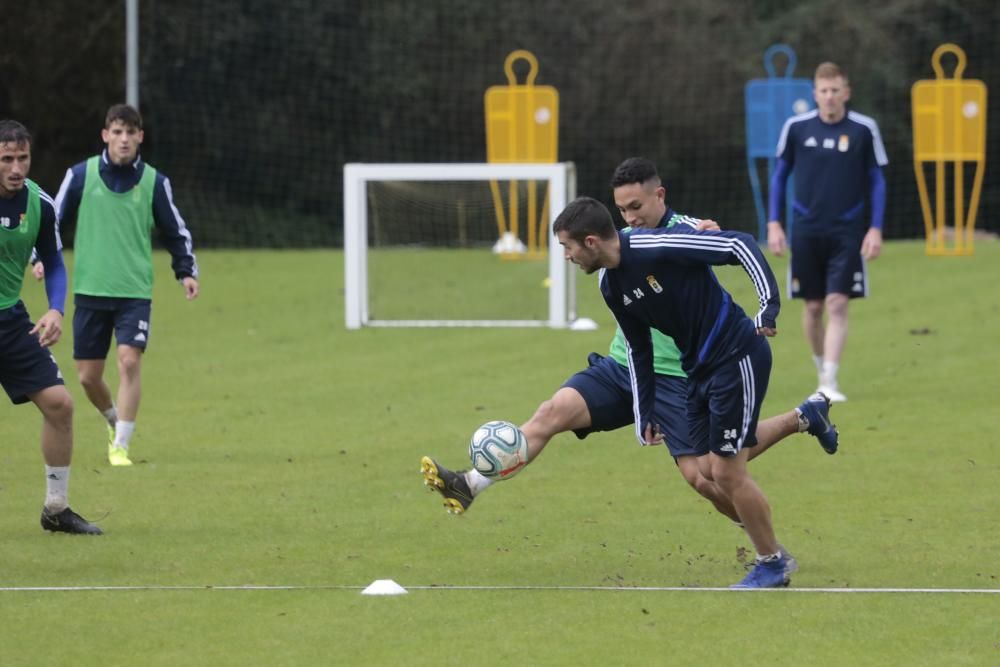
column 252, row 107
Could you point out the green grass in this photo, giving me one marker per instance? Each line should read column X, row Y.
column 276, row 448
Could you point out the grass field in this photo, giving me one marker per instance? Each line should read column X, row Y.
column 275, row 448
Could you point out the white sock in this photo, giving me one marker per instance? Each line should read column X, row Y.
column 111, row 414
column 768, row 559
column 123, row 433
column 818, row 360
column 56, row 488
column 803, row 422
column 477, row 481
column 828, row 375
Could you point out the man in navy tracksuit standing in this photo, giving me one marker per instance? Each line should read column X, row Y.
column 837, row 156
column 663, row 279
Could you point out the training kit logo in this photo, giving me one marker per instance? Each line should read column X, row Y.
column 810, row 142
column 627, row 300
column 843, row 144
column 651, row 279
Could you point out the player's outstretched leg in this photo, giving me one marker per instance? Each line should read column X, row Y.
column 68, row 521
column 815, row 410
column 451, row 485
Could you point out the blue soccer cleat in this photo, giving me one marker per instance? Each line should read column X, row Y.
column 816, row 411
column 766, row 574
column 791, row 563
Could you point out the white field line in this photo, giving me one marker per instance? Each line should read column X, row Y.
column 685, row 589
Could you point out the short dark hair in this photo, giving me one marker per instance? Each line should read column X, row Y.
column 126, row 113
column 12, row 132
column 830, row 70
column 583, row 217
column 634, row 170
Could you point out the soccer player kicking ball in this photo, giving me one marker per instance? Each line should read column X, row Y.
column 28, row 371
column 599, row 398
column 662, row 279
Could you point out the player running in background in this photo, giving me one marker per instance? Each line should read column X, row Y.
column 837, row 156
column 115, row 199
column 599, row 398
column 28, row 371
column 662, row 279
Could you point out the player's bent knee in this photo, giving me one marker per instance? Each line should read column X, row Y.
column 89, row 380
column 56, row 404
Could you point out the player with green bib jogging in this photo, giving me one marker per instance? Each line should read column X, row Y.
column 116, row 199
column 28, row 371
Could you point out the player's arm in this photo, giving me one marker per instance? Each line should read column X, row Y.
column 785, row 154
column 720, row 248
column 67, row 201
column 639, row 349
column 742, row 249
column 875, row 158
column 48, row 247
column 776, row 241
column 37, row 268
column 175, row 236
column 693, row 223
column 871, row 246
column 747, row 253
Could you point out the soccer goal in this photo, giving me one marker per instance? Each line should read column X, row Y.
column 429, row 245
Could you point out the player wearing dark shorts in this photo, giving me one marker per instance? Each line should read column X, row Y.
column 28, row 371
column 116, row 199
column 25, row 367
column 837, row 157
column 599, row 397
column 607, row 391
column 662, row 279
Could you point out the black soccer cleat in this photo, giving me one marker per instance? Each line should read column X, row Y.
column 68, row 521
column 451, row 485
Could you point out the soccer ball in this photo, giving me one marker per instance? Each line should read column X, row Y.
column 498, row 450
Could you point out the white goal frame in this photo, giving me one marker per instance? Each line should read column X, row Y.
column 561, row 178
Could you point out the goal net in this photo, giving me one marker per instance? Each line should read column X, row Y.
column 457, row 245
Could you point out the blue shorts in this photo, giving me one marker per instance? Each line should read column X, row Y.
column 724, row 406
column 25, row 366
column 824, row 264
column 96, row 318
column 607, row 391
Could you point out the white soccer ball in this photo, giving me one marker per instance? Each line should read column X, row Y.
column 498, row 450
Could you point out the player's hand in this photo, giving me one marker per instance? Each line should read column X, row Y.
column 38, row 270
column 776, row 238
column 871, row 247
column 190, row 288
column 652, row 435
column 708, row 225
column 48, row 328
column 770, row 332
